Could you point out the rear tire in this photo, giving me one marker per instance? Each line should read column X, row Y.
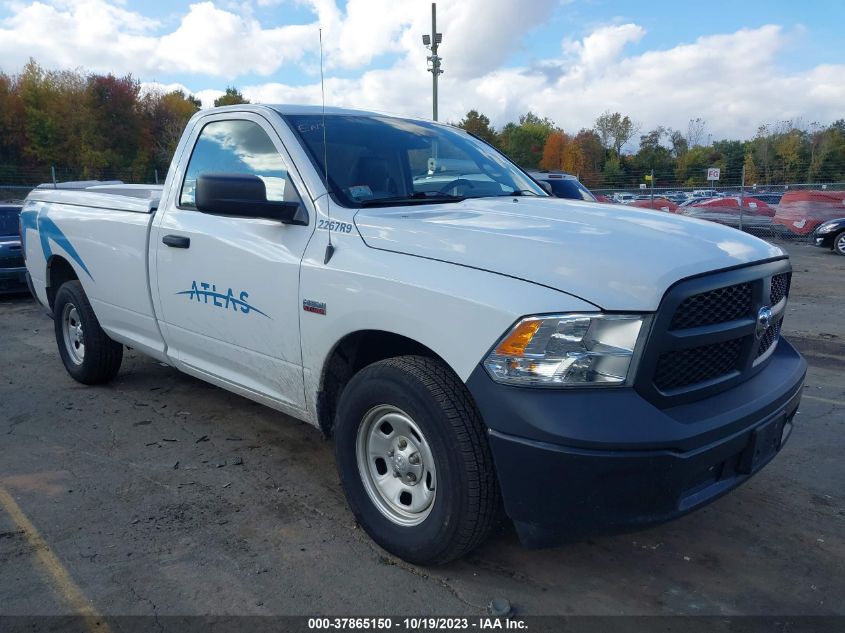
column 88, row 354
column 412, row 416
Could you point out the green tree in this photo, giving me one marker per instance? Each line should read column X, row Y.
column 615, row 130
column 232, row 96
column 478, row 124
column 524, row 142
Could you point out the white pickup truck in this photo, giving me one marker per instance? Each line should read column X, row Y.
column 471, row 343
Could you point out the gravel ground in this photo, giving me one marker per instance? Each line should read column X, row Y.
column 159, row 494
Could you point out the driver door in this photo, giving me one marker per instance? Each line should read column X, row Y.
column 228, row 287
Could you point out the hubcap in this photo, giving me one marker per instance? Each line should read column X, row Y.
column 840, row 243
column 73, row 334
column 396, row 465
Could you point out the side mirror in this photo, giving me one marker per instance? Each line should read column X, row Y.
column 245, row 196
column 546, row 187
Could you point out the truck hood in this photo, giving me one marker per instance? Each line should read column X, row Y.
column 616, row 257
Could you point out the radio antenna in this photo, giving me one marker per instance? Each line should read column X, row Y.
column 329, row 246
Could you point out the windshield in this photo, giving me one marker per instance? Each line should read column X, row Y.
column 9, row 220
column 385, row 160
column 570, row 188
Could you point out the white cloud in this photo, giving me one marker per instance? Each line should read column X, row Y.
column 731, row 80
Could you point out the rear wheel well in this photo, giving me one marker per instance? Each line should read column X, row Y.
column 352, row 353
column 59, row 271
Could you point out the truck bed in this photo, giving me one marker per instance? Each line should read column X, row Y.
column 103, row 233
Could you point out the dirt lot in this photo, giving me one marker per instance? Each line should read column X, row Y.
column 159, row 494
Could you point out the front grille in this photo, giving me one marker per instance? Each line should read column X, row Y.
column 770, row 336
column 12, row 261
column 715, row 306
column 780, row 287
column 697, row 364
column 704, row 337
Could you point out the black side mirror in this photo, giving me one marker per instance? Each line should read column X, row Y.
column 245, row 196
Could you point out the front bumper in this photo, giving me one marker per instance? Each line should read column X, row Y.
column 824, row 240
column 577, row 462
column 12, row 280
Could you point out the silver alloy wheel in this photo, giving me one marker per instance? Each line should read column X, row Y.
column 73, row 334
column 396, row 465
column 839, row 243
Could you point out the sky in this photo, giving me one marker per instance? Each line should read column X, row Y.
column 735, row 64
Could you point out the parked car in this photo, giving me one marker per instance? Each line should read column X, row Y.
column 564, row 185
column 12, row 269
column 675, row 196
column 831, row 234
column 623, row 198
column 705, row 193
column 768, row 198
column 469, row 347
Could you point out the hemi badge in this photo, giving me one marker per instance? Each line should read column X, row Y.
column 317, row 307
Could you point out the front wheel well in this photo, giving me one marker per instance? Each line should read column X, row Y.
column 351, row 354
column 59, row 271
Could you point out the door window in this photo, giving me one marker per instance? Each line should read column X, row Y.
column 237, row 147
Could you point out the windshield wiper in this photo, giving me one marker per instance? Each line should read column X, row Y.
column 420, row 197
column 510, row 194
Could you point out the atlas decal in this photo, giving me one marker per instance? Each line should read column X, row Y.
column 206, row 293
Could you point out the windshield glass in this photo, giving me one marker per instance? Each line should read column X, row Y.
column 398, row 161
column 9, row 220
column 570, row 188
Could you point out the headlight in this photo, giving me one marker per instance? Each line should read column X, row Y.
column 826, row 228
column 567, row 350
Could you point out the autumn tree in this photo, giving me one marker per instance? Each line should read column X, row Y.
column 592, row 157
column 166, row 116
column 561, row 153
column 751, row 175
column 232, row 96
column 112, row 127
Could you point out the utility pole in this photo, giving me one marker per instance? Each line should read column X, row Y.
column 741, row 197
column 433, row 42
column 652, row 188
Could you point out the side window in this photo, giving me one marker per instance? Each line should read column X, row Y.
column 237, row 147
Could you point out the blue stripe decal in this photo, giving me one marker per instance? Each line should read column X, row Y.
column 47, row 230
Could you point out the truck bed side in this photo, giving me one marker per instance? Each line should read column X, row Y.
column 104, row 238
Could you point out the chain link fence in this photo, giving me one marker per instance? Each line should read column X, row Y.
column 774, row 212
column 13, row 189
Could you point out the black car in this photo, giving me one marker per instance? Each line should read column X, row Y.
column 563, row 185
column 831, row 234
column 12, row 268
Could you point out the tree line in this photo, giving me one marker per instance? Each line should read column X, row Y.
column 782, row 153
column 92, row 126
column 89, row 126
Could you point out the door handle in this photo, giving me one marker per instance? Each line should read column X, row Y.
column 177, row 241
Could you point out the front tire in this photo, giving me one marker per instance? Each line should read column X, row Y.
column 414, row 460
column 88, row 354
column 839, row 243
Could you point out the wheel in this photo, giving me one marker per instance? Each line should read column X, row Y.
column 839, row 243
column 414, row 460
column 87, row 352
